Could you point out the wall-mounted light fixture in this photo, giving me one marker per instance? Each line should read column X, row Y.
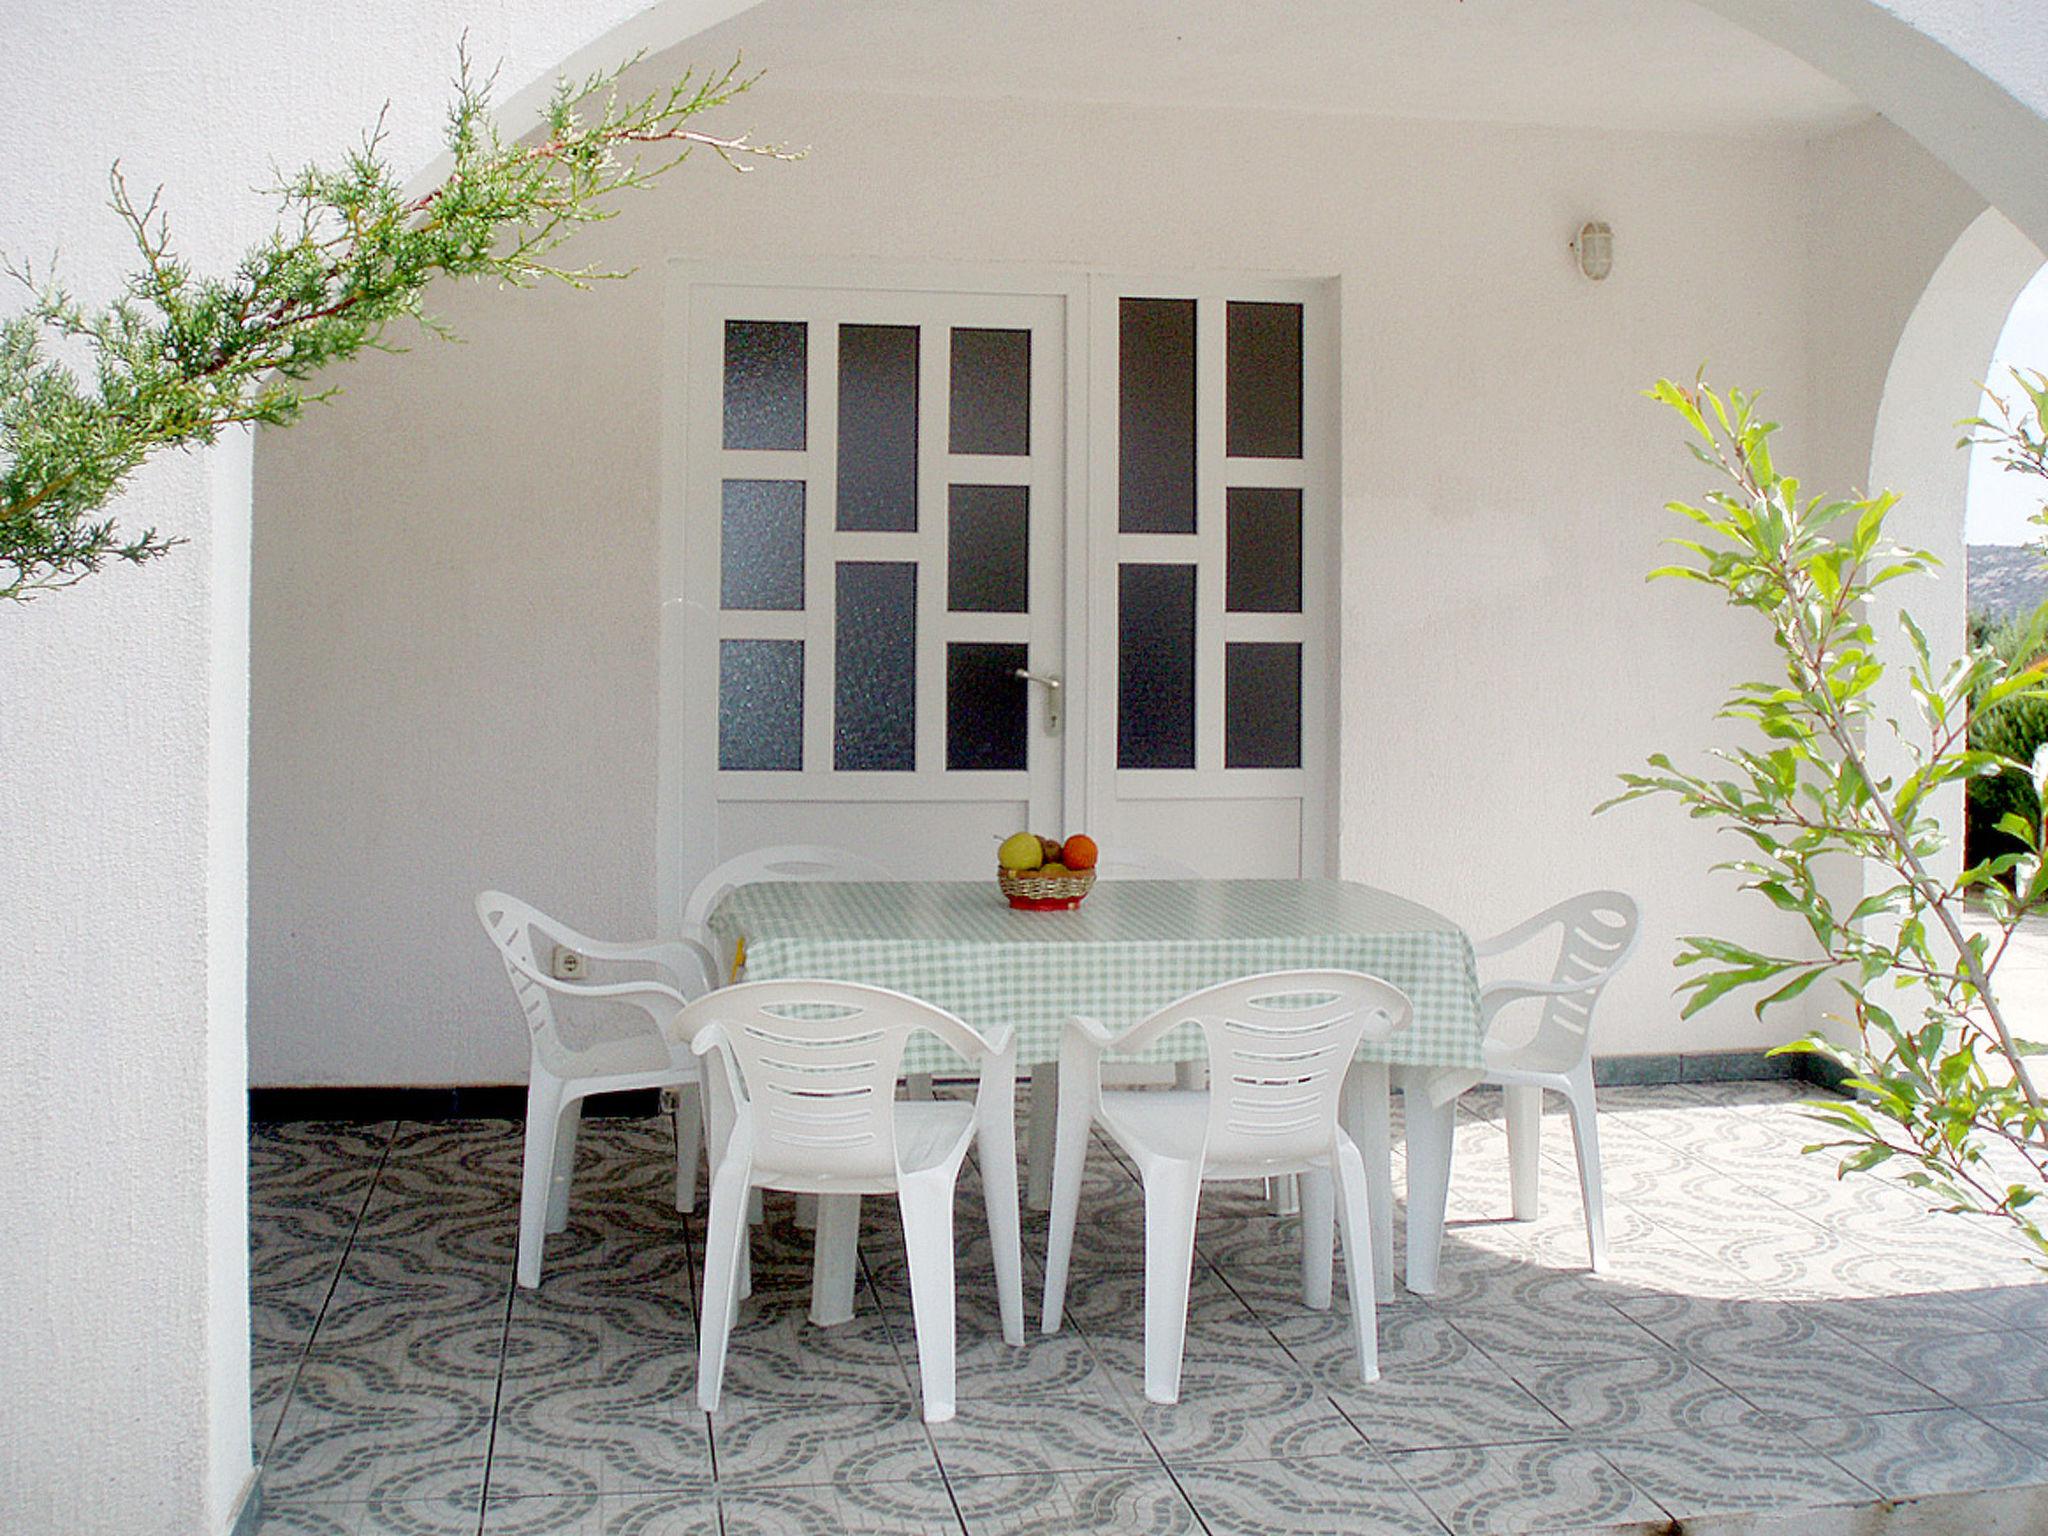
column 1594, row 246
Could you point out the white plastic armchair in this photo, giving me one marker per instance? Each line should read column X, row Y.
column 1118, row 863
column 1596, row 934
column 794, row 861
column 804, row 1087
column 561, row 1075
column 1279, row 1047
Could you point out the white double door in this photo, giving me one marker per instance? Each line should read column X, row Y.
column 942, row 563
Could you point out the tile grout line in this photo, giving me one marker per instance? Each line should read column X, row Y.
column 333, row 1282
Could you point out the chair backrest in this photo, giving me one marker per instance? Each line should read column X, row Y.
column 1138, row 864
column 788, row 862
column 1279, row 1046
column 812, row 1069
column 1597, row 932
column 511, row 924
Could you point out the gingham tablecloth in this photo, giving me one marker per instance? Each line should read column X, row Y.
column 1132, row 947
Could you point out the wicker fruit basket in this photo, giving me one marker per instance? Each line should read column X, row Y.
column 1033, row 892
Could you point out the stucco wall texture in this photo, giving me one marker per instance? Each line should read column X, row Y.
column 122, row 762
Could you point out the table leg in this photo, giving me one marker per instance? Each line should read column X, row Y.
column 1366, row 1122
column 835, row 1259
column 997, row 1142
column 1431, row 1133
column 1045, row 1087
column 1524, row 1111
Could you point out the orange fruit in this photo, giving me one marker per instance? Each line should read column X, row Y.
column 1080, row 852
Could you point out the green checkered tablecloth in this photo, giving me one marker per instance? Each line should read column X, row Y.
column 1132, row 947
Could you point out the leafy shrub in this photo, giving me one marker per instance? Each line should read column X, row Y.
column 2016, row 728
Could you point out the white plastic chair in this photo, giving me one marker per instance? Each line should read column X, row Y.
column 1597, row 933
column 1279, row 1046
column 793, row 861
column 805, row 1095
column 562, row 1075
column 1118, row 864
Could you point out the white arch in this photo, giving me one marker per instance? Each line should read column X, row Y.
column 1968, row 81
column 1942, row 358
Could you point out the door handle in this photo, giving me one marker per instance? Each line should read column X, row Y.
column 1054, row 688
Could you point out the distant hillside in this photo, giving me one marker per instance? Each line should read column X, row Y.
column 2006, row 579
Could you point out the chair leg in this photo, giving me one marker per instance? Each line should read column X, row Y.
column 1354, row 1211
column 927, row 1204
column 689, row 1118
column 1069, row 1162
column 537, row 1175
column 1524, row 1109
column 996, row 1150
column 1283, row 1195
column 1318, row 1239
column 835, row 1259
column 1586, row 1140
column 1038, row 1155
column 725, row 1240
column 917, row 1085
column 1173, row 1196
column 565, row 1165
column 1192, row 1074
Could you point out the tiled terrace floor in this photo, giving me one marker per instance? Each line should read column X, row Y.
column 1767, row 1340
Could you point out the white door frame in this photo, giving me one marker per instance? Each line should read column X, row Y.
column 685, row 813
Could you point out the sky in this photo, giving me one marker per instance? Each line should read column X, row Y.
column 2000, row 502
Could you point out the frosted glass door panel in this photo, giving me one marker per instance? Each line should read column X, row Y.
column 1212, row 570
column 874, row 553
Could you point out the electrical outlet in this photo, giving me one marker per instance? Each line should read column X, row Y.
column 569, row 965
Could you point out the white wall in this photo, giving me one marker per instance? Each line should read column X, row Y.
column 456, row 613
column 123, row 1287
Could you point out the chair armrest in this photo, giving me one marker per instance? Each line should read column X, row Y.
column 685, row 959
column 1514, row 938
column 614, row 991
column 1497, row 995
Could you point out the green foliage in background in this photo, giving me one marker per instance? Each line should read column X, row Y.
column 2015, row 729
column 1945, row 1100
column 181, row 356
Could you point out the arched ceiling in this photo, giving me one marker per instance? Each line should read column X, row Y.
column 1605, row 64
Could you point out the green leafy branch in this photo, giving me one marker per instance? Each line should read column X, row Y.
column 1941, row 1072
column 180, row 357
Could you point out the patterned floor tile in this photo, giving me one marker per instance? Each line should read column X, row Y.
column 1732, row 1473
column 1905, row 1455
column 1656, row 1393
column 388, row 1517
column 636, row 1429
column 841, row 1444
column 391, row 1351
column 993, row 1437
column 1542, row 1486
column 322, row 1456
column 1130, row 1501
column 1973, row 1369
column 921, row 1508
column 1324, row 1496
column 1261, row 1409
column 631, row 1514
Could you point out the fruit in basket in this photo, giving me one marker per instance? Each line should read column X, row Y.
column 1053, row 871
column 1050, row 847
column 1079, row 852
column 1021, row 852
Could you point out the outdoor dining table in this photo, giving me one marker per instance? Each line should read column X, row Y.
column 1132, row 947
